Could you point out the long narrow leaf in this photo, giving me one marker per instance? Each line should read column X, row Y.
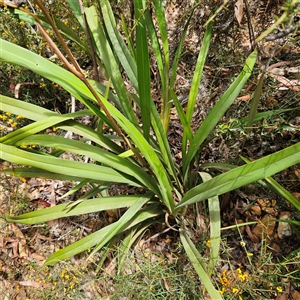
column 143, row 66
column 215, row 226
column 118, row 43
column 217, row 112
column 125, row 219
column 97, row 154
column 240, row 176
column 199, row 265
column 96, row 237
column 84, row 207
column 195, row 83
column 61, row 166
column 112, row 67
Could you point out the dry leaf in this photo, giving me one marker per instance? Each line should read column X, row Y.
column 239, row 10
column 31, row 283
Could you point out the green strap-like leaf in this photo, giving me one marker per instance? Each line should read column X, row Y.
column 61, row 166
column 105, row 52
column 95, row 153
column 217, row 112
column 83, row 207
column 143, row 66
column 198, row 264
column 118, row 43
column 95, row 238
column 240, row 176
column 215, row 226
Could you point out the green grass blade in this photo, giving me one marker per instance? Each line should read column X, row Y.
column 25, row 109
column 178, row 51
column 111, row 64
column 240, row 176
column 255, row 100
column 143, row 66
column 273, row 185
column 162, row 56
column 163, row 144
column 118, row 43
column 162, row 24
column 198, row 72
column 74, row 5
column 35, row 172
column 125, row 219
column 11, row 53
column 152, row 158
column 199, row 265
column 181, row 114
column 37, row 126
column 96, row 237
column 196, row 81
column 280, row 190
column 215, row 226
column 65, row 167
column 217, row 112
column 97, row 154
column 83, row 207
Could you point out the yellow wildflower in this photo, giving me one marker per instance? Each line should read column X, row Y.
column 24, row 180
column 235, row 290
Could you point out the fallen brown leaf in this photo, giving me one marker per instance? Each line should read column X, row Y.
column 31, row 283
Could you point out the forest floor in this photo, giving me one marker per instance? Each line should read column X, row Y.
column 260, row 259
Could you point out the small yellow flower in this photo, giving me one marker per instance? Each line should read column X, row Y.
column 54, row 129
column 8, row 114
column 22, row 23
column 235, row 291
column 239, row 271
column 14, row 124
column 20, row 117
column 249, row 254
column 66, row 22
column 42, row 85
column 243, row 277
column 279, row 289
column 24, row 180
column 208, row 243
